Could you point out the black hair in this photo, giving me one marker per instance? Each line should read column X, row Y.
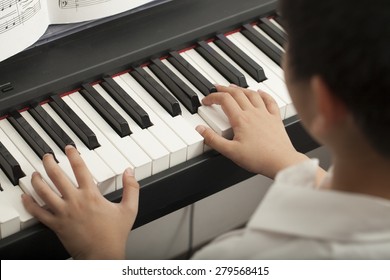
column 347, row 43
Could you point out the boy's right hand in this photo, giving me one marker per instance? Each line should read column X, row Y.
column 260, row 143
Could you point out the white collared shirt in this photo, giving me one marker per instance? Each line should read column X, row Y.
column 296, row 220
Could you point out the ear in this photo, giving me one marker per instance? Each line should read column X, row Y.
column 330, row 111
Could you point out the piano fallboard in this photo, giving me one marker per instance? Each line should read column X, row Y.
column 112, row 47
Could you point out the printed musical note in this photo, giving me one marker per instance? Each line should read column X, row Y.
column 16, row 12
column 74, row 4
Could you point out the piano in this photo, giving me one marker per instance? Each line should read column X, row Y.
column 167, row 48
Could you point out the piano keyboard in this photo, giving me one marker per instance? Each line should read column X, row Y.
column 144, row 118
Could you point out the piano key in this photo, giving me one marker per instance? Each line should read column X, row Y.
column 176, row 146
column 274, row 82
column 159, row 94
column 254, row 85
column 101, row 172
column 204, row 67
column 51, row 127
column 152, row 147
column 188, row 134
column 111, row 116
column 273, row 31
column 127, row 103
column 107, row 152
column 269, row 38
column 36, row 143
column 256, row 53
column 9, row 217
column 219, row 63
column 278, row 25
column 187, row 70
column 10, row 199
column 141, row 163
column 212, row 115
column 28, row 153
column 241, row 58
column 60, row 154
column 176, row 86
column 74, row 122
column 278, row 19
column 10, row 166
column 28, row 169
column 262, row 43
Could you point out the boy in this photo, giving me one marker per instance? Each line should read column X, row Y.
column 337, row 69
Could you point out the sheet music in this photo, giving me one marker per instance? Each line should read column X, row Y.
column 21, row 23
column 66, row 11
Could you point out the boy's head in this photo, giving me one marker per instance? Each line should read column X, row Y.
column 347, row 44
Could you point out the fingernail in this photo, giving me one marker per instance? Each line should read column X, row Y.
column 47, row 155
column 69, row 147
column 129, row 172
column 200, row 129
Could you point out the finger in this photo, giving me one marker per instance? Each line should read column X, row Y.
column 270, row 103
column 214, row 140
column 80, row 169
column 130, row 194
column 51, row 199
column 228, row 104
column 255, row 98
column 40, row 213
column 57, row 176
column 237, row 94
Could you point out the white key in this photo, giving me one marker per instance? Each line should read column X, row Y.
column 268, row 37
column 125, row 145
column 241, row 41
column 152, row 147
column 277, row 24
column 176, row 146
column 101, row 173
column 28, row 169
column 192, row 119
column 9, row 217
column 189, row 135
column 27, row 152
column 59, row 154
column 107, row 152
column 13, row 197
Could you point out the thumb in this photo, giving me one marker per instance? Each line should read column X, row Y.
column 215, row 141
column 130, row 194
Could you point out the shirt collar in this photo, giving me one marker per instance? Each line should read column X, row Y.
column 294, row 206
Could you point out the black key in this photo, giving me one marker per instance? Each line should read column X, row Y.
column 274, row 32
column 10, row 166
column 218, row 62
column 110, row 115
column 29, row 134
column 182, row 91
column 241, row 58
column 74, row 122
column 278, row 19
column 163, row 97
column 126, row 102
column 51, row 127
column 193, row 75
column 262, row 43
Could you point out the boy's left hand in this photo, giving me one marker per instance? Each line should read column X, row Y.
column 88, row 225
